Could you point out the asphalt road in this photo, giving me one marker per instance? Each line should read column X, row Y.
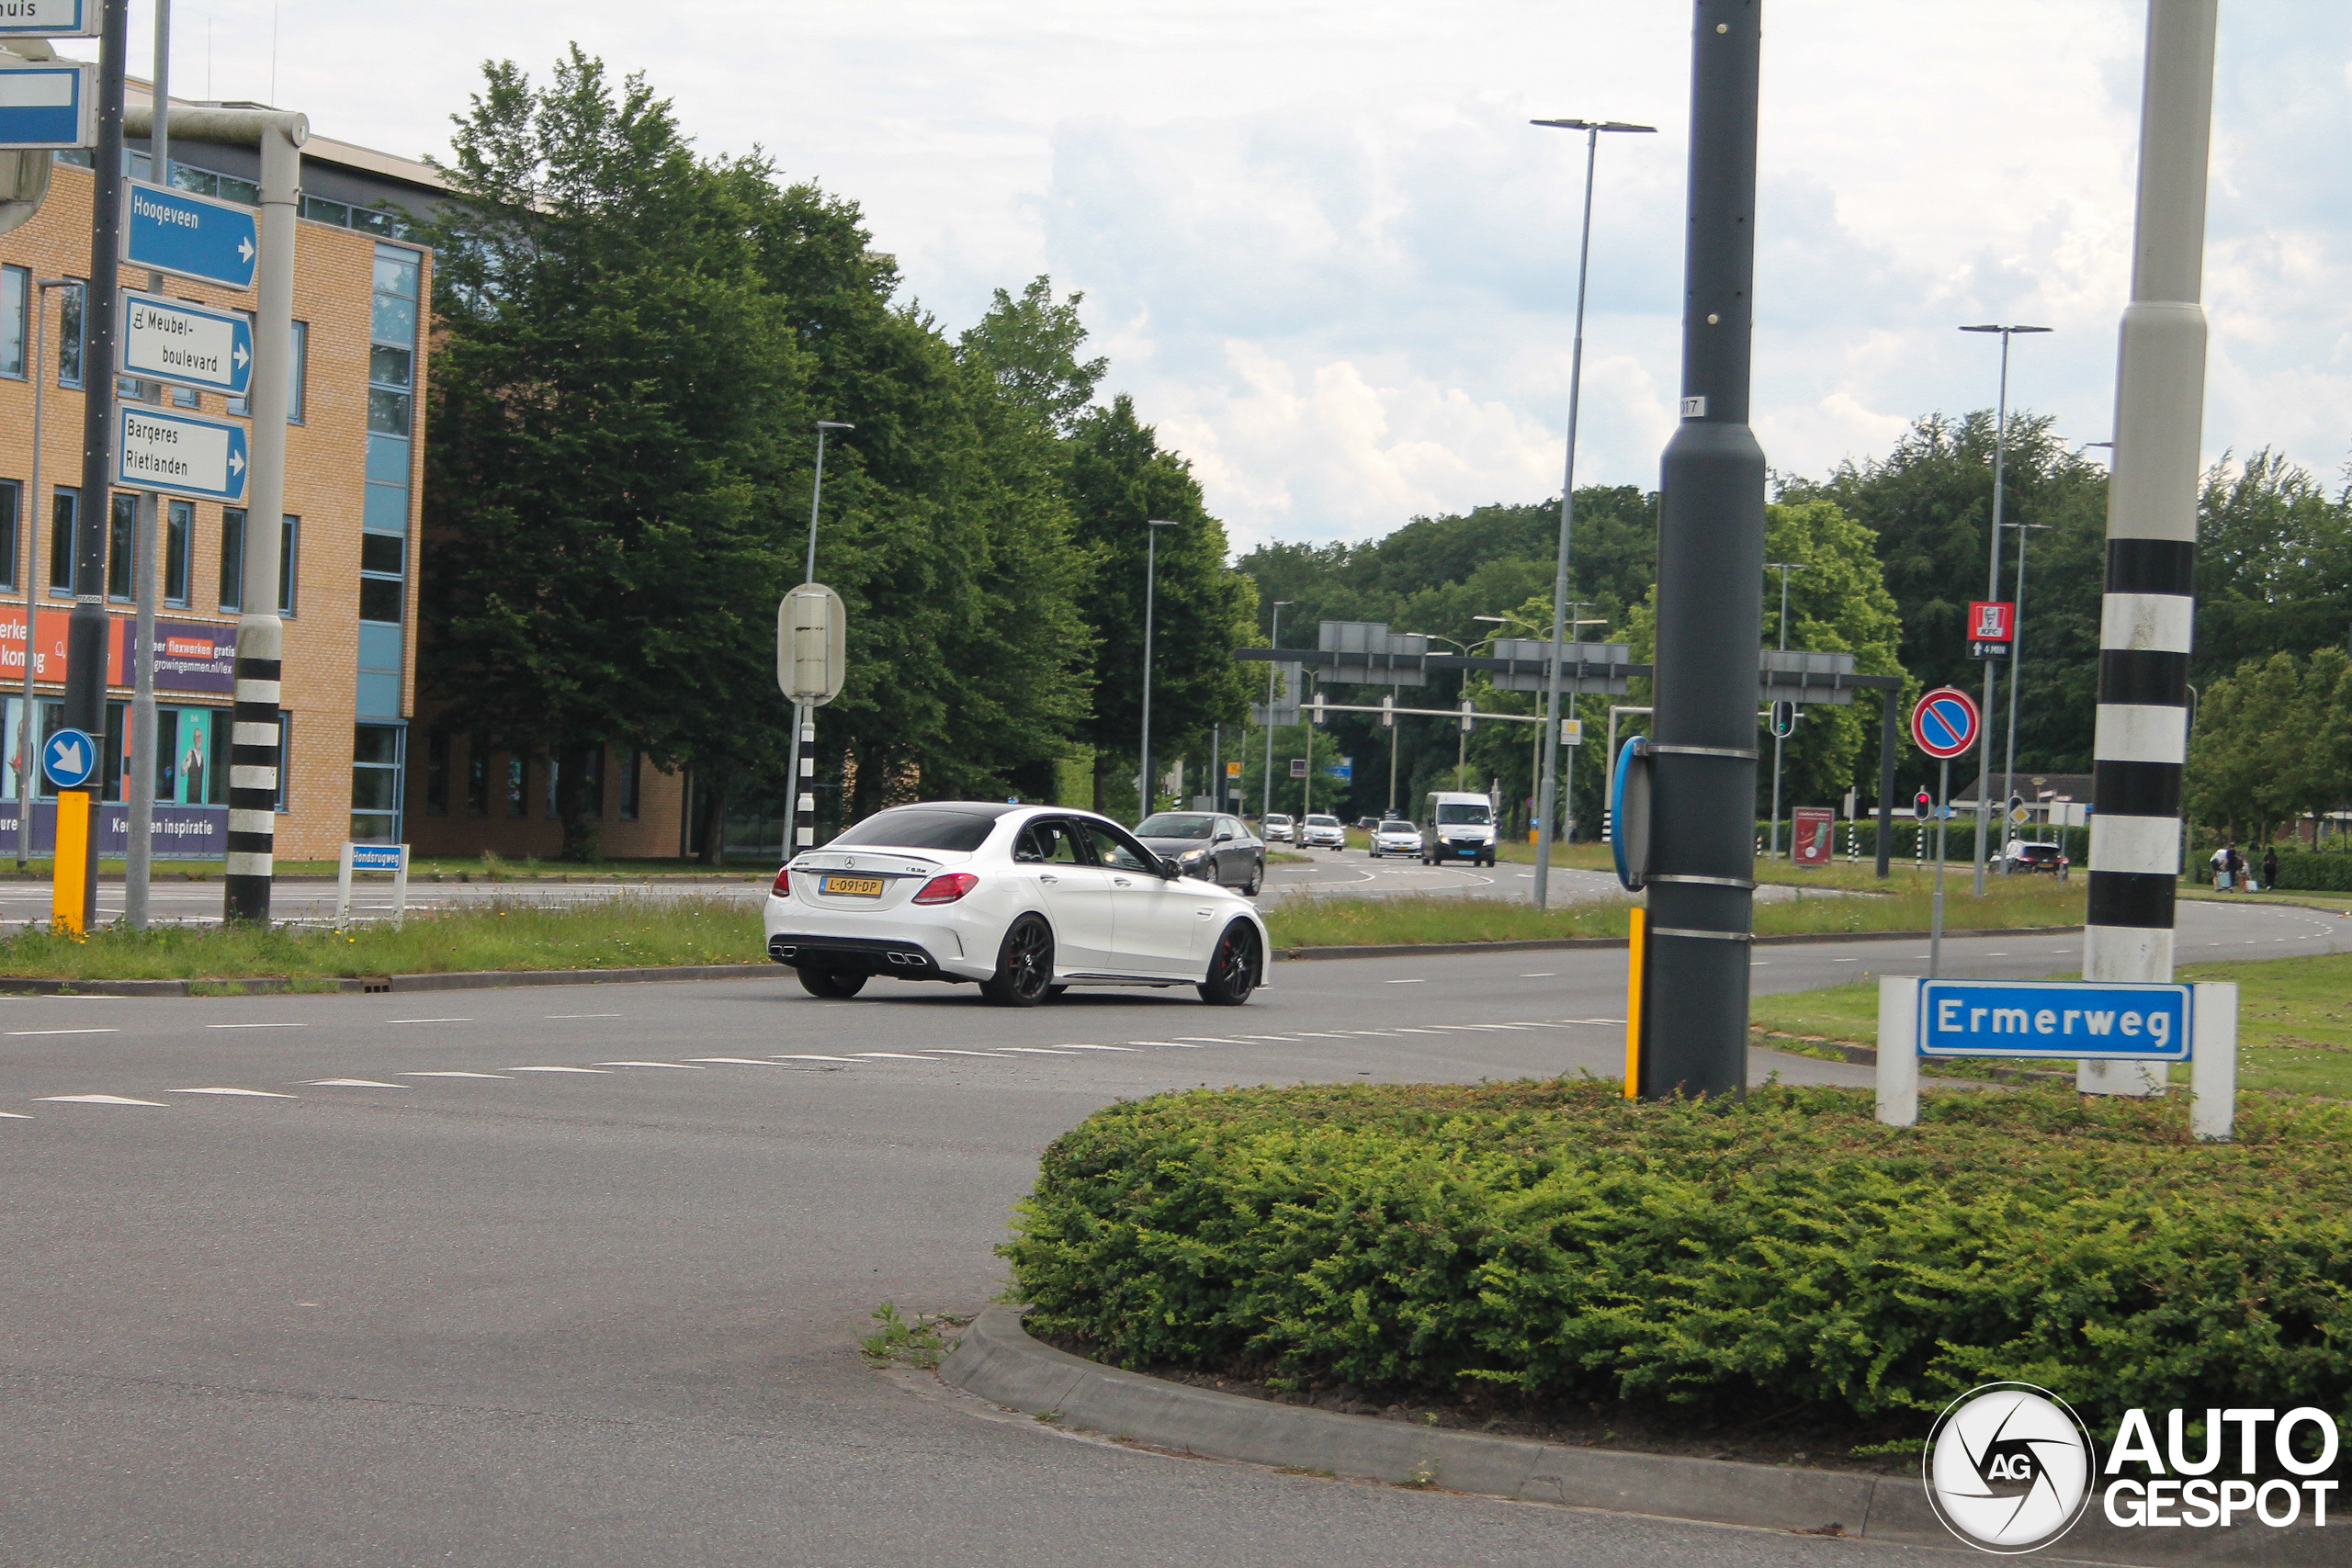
column 573, row 1276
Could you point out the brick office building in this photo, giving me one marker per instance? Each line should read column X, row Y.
column 355, row 765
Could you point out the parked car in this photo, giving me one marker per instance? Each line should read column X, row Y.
column 2047, row 858
column 1369, row 824
column 1025, row 901
column 1395, row 838
column 1209, row 845
column 1322, row 832
column 1277, row 828
column 1456, row 826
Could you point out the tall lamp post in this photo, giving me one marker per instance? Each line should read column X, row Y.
column 1993, row 582
column 1266, row 797
column 1783, row 567
column 1535, row 758
column 2017, row 651
column 1548, row 787
column 804, row 727
column 1150, row 593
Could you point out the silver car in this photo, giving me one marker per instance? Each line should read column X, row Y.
column 1392, row 837
column 1321, row 832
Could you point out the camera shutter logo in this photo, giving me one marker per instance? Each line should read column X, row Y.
column 2010, row 1468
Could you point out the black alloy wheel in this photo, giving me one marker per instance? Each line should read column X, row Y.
column 833, row 985
column 1233, row 969
column 1024, row 966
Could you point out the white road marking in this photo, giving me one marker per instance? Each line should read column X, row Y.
column 14, row 1116
column 813, row 1058
column 1409, row 982
column 353, row 1083
column 583, row 1015
column 1208, row 1039
column 428, row 1020
column 25, row 1032
column 737, row 1061
column 688, row 1067
column 99, row 1100
column 1037, row 1051
column 1408, row 1029
column 1858, row 961
column 428, row 1074
column 951, row 1051
column 1171, row 1044
column 1319, row 1035
column 256, row 1026
column 556, row 1069
column 256, row 1093
column 1542, row 974
column 1097, row 1048
column 896, row 1056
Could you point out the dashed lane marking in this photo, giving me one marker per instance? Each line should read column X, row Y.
column 583, row 1015
column 735, row 1060
column 1171, row 1044
column 1037, row 1050
column 1097, row 1047
column 256, row 1026
column 99, row 1100
column 895, row 1056
column 814, row 1058
column 1542, row 974
column 252, row 1093
column 445, row 1074
column 26, row 1032
column 556, row 1069
column 14, row 1116
column 1416, row 982
column 428, row 1020
column 353, row 1083
column 951, row 1051
column 687, row 1066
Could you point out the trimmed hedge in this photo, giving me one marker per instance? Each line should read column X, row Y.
column 2325, row 873
column 1553, row 1237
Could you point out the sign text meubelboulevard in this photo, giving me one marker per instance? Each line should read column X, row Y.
column 189, row 346
column 49, row 104
column 48, row 18
column 189, row 236
column 180, row 453
column 2054, row 1018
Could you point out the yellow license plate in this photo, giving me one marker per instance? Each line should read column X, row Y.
column 858, row 886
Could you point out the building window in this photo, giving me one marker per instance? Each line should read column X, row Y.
column 179, row 546
column 290, row 539
column 477, row 778
column 64, row 518
column 298, row 377
column 122, row 548
column 518, row 792
column 9, row 493
column 232, row 559
column 376, row 783
column 187, row 397
column 631, row 786
column 382, row 563
column 69, row 335
column 392, row 389
column 436, row 773
column 15, row 294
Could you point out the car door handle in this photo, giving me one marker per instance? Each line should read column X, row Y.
column 1047, row 876
column 1120, row 882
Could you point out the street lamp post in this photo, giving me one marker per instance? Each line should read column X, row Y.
column 1535, row 758
column 1150, row 593
column 1784, row 568
column 1548, row 787
column 1266, row 784
column 804, row 727
column 1993, row 581
column 2017, row 651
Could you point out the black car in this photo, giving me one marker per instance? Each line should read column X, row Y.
column 1208, row 845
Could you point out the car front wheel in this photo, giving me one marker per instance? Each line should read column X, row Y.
column 1024, row 966
column 1234, row 968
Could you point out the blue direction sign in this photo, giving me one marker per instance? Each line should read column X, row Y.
column 377, row 857
column 180, row 453
column 69, row 757
column 50, row 104
column 48, row 18
column 189, row 236
column 192, row 345
column 2054, row 1018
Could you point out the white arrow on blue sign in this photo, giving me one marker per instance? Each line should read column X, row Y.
column 69, row 757
column 50, row 104
column 180, row 453
column 191, row 345
column 189, row 236
column 48, row 18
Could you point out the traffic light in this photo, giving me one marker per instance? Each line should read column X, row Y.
column 1924, row 807
column 1784, row 718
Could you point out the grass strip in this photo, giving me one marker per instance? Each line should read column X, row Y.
column 2294, row 1023
column 605, row 933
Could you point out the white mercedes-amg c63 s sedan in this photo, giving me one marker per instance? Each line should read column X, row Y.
column 1024, row 900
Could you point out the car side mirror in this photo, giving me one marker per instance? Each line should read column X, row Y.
column 1169, row 870
column 1225, row 838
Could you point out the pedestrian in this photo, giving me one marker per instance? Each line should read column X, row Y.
column 2271, row 866
column 2221, row 864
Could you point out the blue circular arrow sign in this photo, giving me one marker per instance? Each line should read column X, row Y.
column 1944, row 723
column 69, row 758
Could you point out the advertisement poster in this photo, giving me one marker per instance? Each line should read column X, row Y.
column 190, row 656
column 1814, row 825
column 178, row 832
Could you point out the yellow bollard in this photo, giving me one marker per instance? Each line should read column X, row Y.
column 69, row 882
column 1636, row 950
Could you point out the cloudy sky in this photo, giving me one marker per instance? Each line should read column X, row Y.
column 1335, row 266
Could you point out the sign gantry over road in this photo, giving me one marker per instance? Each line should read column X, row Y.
column 188, row 345
column 189, row 236
column 180, row 453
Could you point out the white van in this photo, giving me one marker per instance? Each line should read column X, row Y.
column 1457, row 826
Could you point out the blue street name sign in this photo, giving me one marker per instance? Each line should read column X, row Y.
column 48, row 18
column 49, row 104
column 2054, row 1018
column 189, row 236
column 69, row 757
column 180, row 453
column 191, row 345
column 377, row 857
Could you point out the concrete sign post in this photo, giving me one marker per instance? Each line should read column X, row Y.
column 811, row 631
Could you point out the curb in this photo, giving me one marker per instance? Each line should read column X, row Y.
column 454, row 980
column 999, row 1362
column 1793, row 939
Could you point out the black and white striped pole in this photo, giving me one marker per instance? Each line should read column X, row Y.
column 2140, row 743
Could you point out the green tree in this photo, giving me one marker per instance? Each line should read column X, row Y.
column 2274, row 562
column 2249, row 755
column 1029, row 347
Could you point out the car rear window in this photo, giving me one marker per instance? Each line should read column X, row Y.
column 1174, row 825
column 1396, row 827
column 919, row 828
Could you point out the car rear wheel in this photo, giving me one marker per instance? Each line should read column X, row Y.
column 1234, row 968
column 1024, row 966
column 833, row 985
column 1257, row 880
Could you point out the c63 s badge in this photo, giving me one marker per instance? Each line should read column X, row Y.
column 2010, row 1468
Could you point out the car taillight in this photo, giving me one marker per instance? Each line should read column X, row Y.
column 782, row 888
column 947, row 887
